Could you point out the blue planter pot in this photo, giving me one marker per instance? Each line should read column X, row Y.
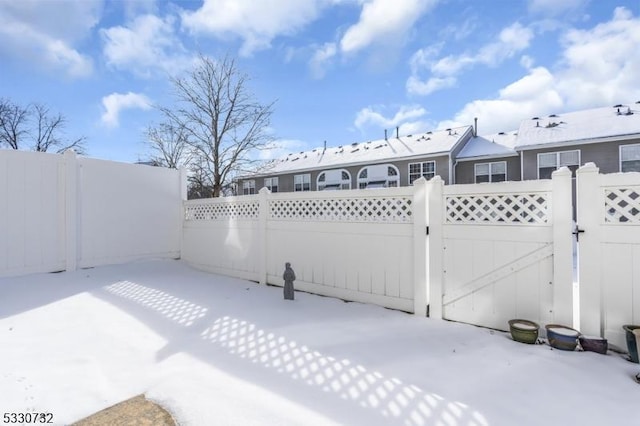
column 562, row 337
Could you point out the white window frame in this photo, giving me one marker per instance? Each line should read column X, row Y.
column 558, row 154
column 271, row 182
column 391, row 181
column 248, row 187
column 620, row 160
column 422, row 171
column 344, row 183
column 305, row 179
column 491, row 165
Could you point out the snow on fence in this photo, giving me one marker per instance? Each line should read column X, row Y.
column 355, row 245
column 61, row 212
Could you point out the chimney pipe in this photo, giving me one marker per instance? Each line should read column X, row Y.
column 397, row 132
column 385, row 134
column 475, row 127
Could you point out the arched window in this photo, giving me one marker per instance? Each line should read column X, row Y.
column 379, row 176
column 332, row 180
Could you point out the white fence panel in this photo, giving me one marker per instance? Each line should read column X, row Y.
column 127, row 212
column 609, row 252
column 221, row 235
column 58, row 212
column 506, row 252
column 32, row 219
column 355, row 245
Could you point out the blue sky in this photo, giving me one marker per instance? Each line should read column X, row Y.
column 339, row 70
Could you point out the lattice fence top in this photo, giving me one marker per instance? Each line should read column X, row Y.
column 622, row 205
column 378, row 209
column 498, row 208
column 223, row 210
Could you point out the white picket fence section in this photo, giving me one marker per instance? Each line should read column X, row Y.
column 609, row 252
column 61, row 212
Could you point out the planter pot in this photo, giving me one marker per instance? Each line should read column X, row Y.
column 631, row 341
column 524, row 331
column 562, row 337
column 594, row 344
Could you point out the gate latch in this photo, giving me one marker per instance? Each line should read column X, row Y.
column 577, row 231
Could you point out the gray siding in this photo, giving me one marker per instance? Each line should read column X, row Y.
column 465, row 170
column 605, row 155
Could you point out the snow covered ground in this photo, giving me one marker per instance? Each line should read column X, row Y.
column 216, row 350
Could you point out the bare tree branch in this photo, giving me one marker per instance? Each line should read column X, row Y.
column 36, row 124
column 223, row 123
column 13, row 124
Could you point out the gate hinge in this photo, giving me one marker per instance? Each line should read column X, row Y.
column 577, row 231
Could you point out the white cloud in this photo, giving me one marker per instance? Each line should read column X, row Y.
column 280, row 148
column 147, row 45
column 116, row 102
column 410, row 118
column 443, row 72
column 599, row 66
column 383, row 20
column 257, row 23
column 45, row 32
column 321, row 59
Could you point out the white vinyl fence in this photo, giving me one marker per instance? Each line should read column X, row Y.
column 608, row 252
column 355, row 245
column 61, row 212
column 481, row 254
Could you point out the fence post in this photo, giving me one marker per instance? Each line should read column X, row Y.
column 182, row 181
column 420, row 224
column 435, row 206
column 562, row 213
column 263, row 201
column 588, row 219
column 71, row 210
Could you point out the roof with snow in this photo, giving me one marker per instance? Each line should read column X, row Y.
column 439, row 142
column 496, row 145
column 581, row 126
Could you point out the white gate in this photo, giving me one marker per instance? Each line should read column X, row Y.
column 506, row 252
column 608, row 252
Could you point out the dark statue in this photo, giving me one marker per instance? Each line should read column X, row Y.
column 289, row 277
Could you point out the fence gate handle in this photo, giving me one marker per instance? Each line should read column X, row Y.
column 577, row 231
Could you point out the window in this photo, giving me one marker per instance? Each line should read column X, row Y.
column 332, row 180
column 248, row 187
column 302, row 183
column 425, row 169
column 271, row 184
column 549, row 162
column 630, row 158
column 378, row 176
column 491, row 172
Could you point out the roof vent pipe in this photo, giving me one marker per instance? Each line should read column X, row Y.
column 385, row 134
column 475, row 127
column 325, row 147
column 397, row 132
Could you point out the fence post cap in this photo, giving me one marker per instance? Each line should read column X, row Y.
column 562, row 171
column 589, row 168
column 264, row 190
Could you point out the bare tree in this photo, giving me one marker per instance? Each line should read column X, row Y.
column 169, row 145
column 13, row 124
column 34, row 125
column 47, row 132
column 224, row 124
